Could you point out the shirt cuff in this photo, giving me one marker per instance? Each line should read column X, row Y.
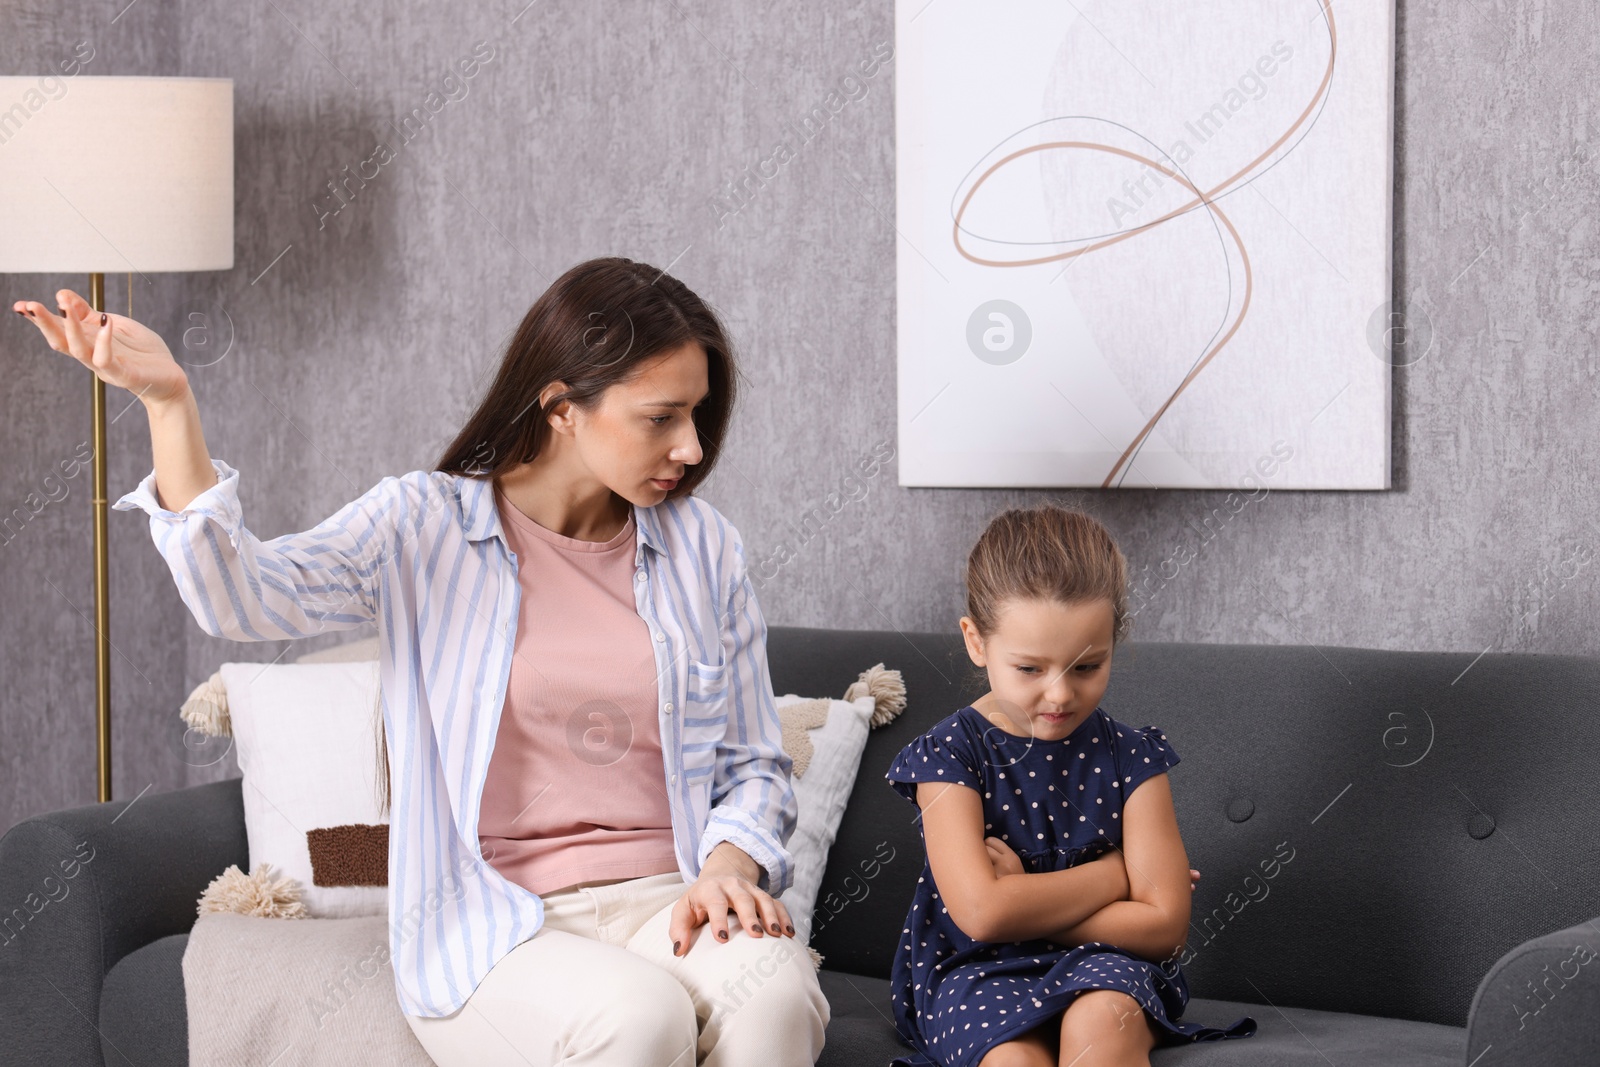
column 739, row 827
column 219, row 502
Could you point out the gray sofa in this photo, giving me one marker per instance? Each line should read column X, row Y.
column 1399, row 861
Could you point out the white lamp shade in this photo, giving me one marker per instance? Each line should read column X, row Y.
column 115, row 174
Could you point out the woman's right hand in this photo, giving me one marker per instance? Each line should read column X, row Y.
column 123, row 352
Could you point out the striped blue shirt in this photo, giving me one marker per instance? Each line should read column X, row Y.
column 424, row 557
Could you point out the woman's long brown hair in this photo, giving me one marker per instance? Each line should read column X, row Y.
column 592, row 328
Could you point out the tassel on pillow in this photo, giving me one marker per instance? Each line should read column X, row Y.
column 206, row 709
column 886, row 687
column 257, row 893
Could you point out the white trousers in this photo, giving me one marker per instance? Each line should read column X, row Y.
column 599, row 985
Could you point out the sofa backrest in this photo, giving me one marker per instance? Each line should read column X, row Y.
column 1373, row 829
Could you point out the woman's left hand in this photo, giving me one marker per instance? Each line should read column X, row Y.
column 727, row 882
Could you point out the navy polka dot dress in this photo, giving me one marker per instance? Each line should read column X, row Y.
column 1057, row 804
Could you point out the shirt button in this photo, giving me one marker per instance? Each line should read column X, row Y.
column 661, row 637
column 669, row 705
column 641, row 575
column 673, row 779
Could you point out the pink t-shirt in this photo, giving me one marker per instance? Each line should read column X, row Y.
column 576, row 788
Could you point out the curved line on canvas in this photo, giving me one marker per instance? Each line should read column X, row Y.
column 1207, row 199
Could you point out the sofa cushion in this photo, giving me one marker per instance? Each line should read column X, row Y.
column 862, row 1032
column 825, row 738
column 307, row 738
column 142, row 1010
column 1303, row 1037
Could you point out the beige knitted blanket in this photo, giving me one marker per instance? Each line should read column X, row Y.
column 294, row 993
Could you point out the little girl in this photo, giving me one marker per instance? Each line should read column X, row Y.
column 1055, row 897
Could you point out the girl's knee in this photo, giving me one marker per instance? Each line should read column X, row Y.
column 1106, row 1016
column 1020, row 1052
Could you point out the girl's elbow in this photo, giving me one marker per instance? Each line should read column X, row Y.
column 973, row 916
column 1175, row 928
column 988, row 913
column 971, row 924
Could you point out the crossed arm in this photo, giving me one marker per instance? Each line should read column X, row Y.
column 1136, row 898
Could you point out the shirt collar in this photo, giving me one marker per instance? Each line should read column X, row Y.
column 482, row 518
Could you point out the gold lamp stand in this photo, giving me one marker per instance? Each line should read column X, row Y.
column 102, row 561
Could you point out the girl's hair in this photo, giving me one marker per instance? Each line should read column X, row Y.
column 595, row 326
column 1050, row 553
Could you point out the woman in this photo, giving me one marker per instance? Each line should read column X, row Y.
column 579, row 717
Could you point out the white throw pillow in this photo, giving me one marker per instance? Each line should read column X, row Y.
column 306, row 736
column 825, row 738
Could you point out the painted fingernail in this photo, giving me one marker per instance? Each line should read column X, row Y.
column 102, row 318
column 775, row 928
column 722, row 935
column 675, row 948
column 790, row 929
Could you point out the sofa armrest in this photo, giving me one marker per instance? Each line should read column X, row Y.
column 82, row 888
column 1540, row 1002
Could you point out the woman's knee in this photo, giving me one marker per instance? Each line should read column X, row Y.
column 617, row 1008
column 656, row 1009
column 764, row 1006
column 781, row 978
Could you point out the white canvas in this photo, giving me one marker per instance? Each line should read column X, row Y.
column 1237, row 345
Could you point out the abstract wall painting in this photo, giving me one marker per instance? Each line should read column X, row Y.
column 1144, row 245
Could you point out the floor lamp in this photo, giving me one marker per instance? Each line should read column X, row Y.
column 113, row 174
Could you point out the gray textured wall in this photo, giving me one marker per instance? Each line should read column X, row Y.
column 359, row 339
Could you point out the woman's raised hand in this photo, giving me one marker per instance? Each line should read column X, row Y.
column 121, row 352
